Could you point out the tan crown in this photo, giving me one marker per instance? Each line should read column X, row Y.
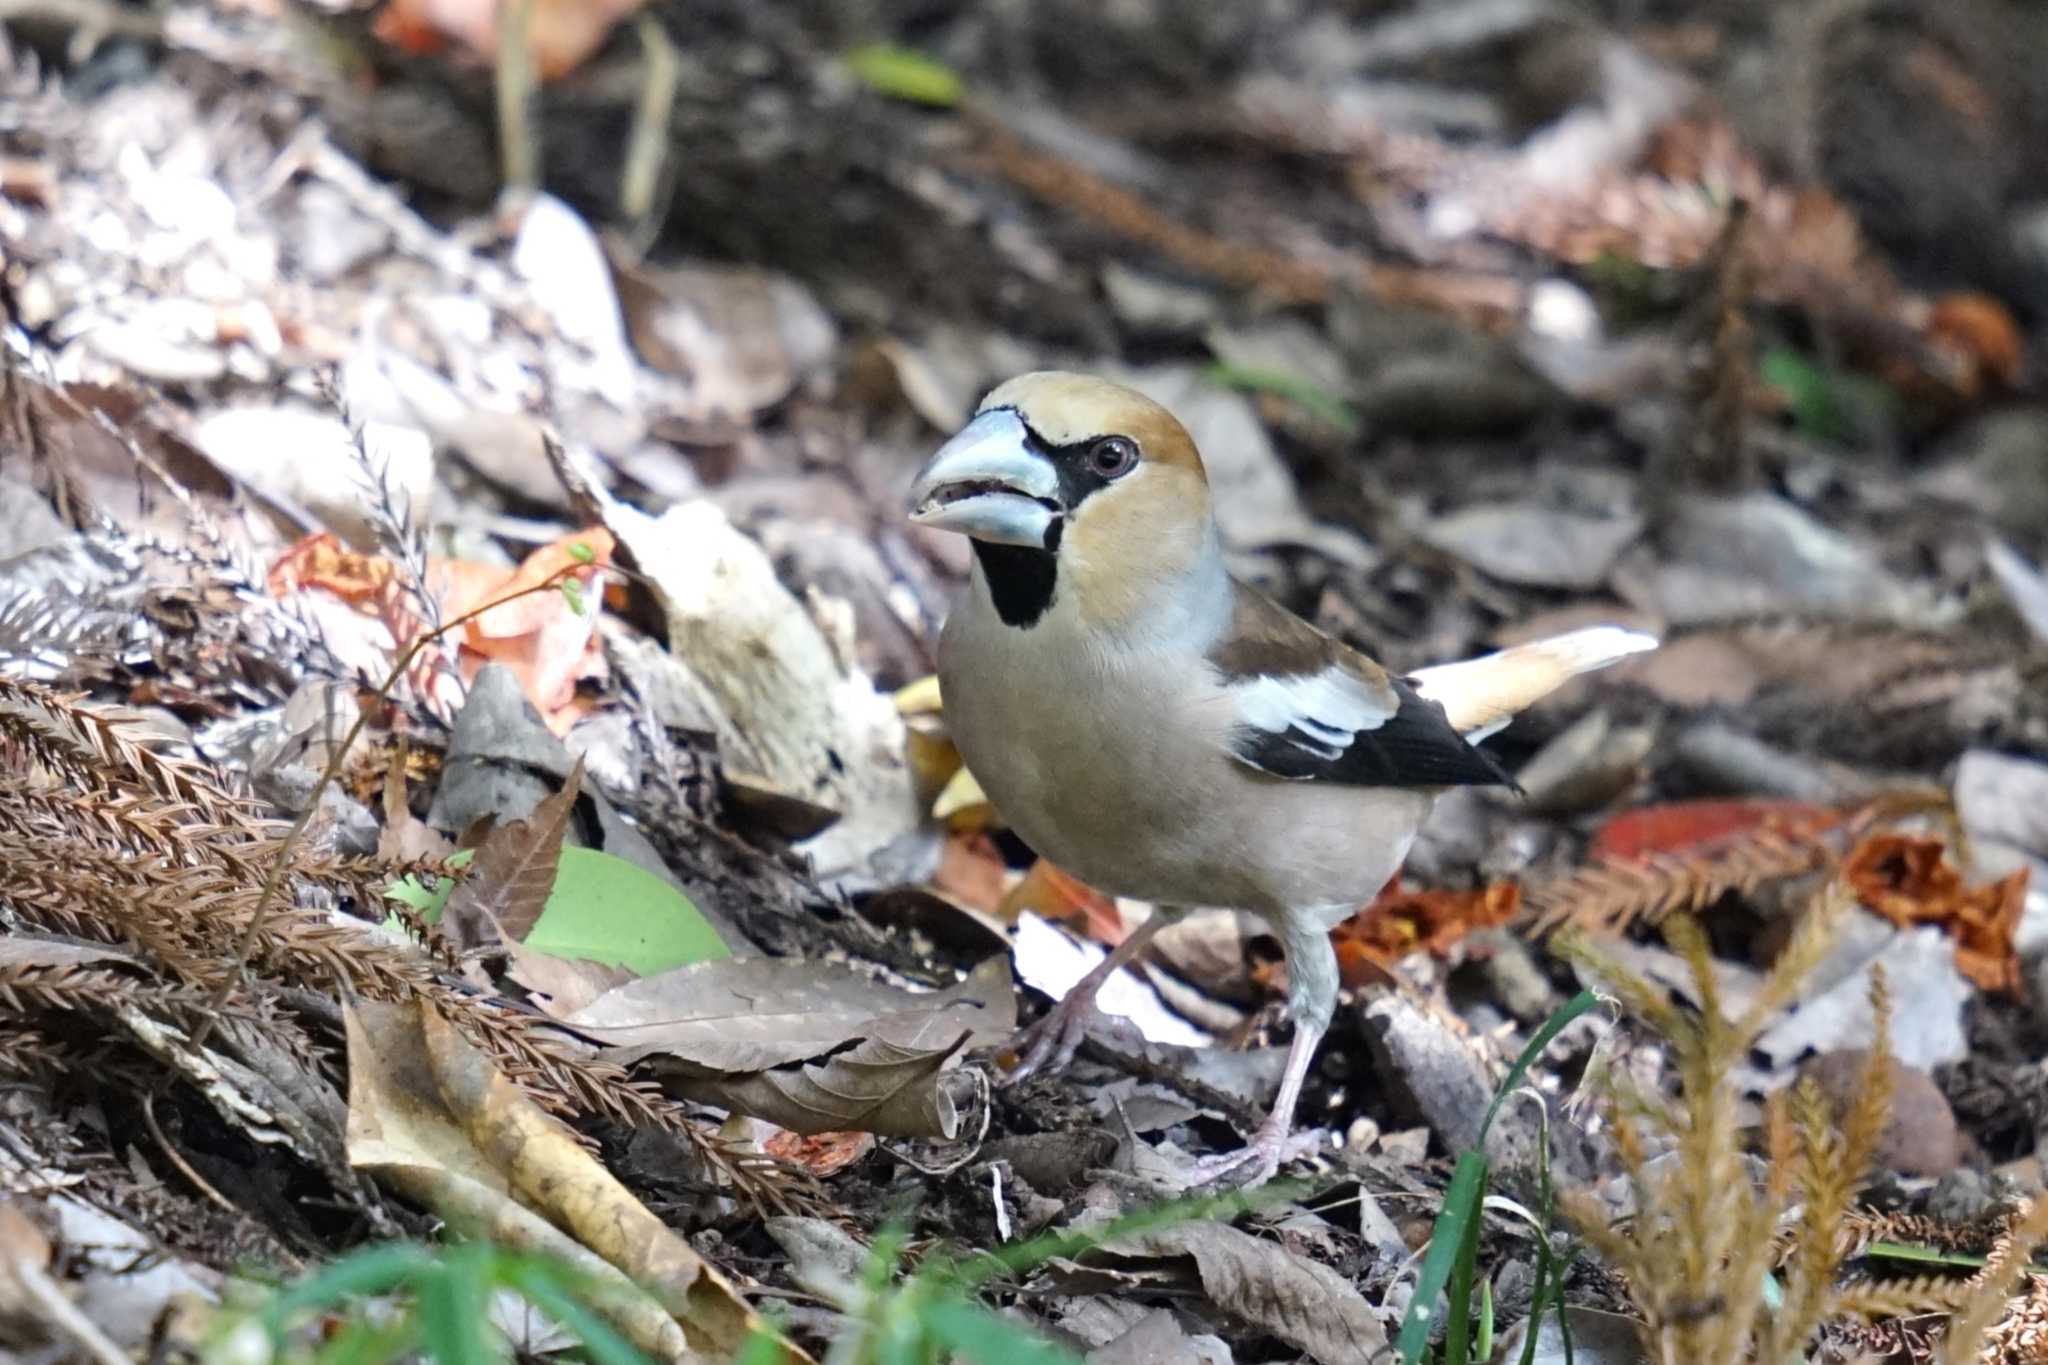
column 1068, row 408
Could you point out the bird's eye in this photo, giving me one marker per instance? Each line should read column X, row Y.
column 1113, row 456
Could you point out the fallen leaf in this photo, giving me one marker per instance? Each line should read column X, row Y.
column 512, row 875
column 739, row 1015
column 561, row 34
column 1684, row 826
column 1046, row 891
column 1910, row 881
column 972, row 871
column 405, row 837
column 822, row 1154
column 606, row 909
column 546, row 637
column 429, row 1115
column 1309, row 1306
column 1400, row 922
column 878, row 1087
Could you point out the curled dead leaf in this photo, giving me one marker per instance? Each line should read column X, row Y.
column 1911, row 881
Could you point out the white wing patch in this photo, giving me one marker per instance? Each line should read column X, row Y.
column 1325, row 712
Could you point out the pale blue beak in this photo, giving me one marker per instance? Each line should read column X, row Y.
column 988, row 483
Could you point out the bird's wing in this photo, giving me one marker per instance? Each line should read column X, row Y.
column 1309, row 708
column 1481, row 695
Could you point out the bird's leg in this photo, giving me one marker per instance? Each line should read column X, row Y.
column 1312, row 999
column 1051, row 1043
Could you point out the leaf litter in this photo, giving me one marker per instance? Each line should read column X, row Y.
column 692, row 717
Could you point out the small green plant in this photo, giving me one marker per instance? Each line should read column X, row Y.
column 934, row 1315
column 400, row 1299
column 1449, row 1268
column 1318, row 401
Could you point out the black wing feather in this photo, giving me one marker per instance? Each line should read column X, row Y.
column 1415, row 747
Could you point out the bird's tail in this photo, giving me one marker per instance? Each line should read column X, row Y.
column 1482, row 695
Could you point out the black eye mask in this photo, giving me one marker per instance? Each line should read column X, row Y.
column 1022, row 581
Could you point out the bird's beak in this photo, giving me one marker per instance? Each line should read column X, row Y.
column 988, row 483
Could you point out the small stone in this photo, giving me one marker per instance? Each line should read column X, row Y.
column 1922, row 1138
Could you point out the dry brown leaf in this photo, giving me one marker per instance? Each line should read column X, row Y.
column 1911, row 881
column 1402, row 921
column 561, row 34
column 512, row 876
column 878, row 1087
column 368, row 613
column 561, row 985
column 405, row 837
column 822, row 1154
column 1309, row 1306
column 736, row 1015
column 429, row 1113
column 1051, row 894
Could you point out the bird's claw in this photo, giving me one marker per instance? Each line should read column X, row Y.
column 1257, row 1161
column 1051, row 1043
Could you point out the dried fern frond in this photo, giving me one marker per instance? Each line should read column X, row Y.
column 1834, row 1162
column 1993, row 1295
column 111, row 842
column 1608, row 896
column 96, row 752
column 1697, row 1252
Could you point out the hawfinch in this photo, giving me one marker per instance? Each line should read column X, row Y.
column 1166, row 733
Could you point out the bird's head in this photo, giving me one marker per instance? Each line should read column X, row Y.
column 1079, row 481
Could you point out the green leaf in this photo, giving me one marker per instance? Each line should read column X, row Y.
column 365, row 1274
column 763, row 1346
column 982, row 1338
column 543, row 1286
column 608, row 910
column 1454, row 1241
column 410, row 890
column 572, row 593
column 367, row 1343
column 1316, row 399
column 1447, row 1241
column 580, row 551
column 1543, row 1038
column 454, row 1326
column 905, row 74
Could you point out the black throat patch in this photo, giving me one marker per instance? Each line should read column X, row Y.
column 1021, row 578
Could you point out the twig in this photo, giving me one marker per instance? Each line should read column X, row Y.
column 177, row 1158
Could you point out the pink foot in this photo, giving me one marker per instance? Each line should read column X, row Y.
column 1051, row 1043
column 1256, row 1162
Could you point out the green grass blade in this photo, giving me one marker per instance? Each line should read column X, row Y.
column 364, row 1274
column 1454, row 1225
column 543, row 1286
column 453, row 1304
column 982, row 1338
column 1544, row 1037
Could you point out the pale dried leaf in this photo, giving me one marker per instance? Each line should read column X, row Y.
column 1309, row 1306
column 878, row 1087
column 740, row 1015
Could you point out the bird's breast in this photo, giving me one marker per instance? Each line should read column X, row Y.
column 1116, row 766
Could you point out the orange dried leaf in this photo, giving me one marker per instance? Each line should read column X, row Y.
column 822, row 1154
column 322, row 561
column 1400, row 922
column 972, row 872
column 1910, row 881
column 1051, row 894
column 1683, row 826
column 561, row 34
